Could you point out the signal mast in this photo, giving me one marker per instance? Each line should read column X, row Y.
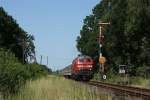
column 102, row 59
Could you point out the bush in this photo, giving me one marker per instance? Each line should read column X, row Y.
column 143, row 71
column 35, row 71
column 13, row 74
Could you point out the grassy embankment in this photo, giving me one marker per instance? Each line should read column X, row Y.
column 58, row 88
column 133, row 81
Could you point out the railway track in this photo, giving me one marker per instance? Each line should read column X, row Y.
column 136, row 91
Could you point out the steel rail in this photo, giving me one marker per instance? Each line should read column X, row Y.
column 128, row 89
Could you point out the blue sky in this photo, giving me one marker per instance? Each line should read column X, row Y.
column 55, row 25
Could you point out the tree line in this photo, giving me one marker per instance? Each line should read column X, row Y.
column 14, row 38
column 16, row 49
column 127, row 39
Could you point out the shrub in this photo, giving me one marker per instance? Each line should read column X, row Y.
column 12, row 73
column 35, row 71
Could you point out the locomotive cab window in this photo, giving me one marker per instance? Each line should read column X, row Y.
column 88, row 60
column 81, row 60
column 85, row 60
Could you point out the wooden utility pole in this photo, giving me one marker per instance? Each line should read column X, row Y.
column 41, row 60
column 23, row 51
column 35, row 61
column 47, row 60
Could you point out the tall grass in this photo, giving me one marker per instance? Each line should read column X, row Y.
column 140, row 82
column 56, row 88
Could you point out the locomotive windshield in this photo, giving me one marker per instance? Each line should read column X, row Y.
column 85, row 60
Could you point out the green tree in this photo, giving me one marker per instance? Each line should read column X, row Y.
column 137, row 32
column 13, row 37
column 126, row 40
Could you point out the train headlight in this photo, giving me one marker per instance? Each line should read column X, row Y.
column 90, row 66
column 80, row 66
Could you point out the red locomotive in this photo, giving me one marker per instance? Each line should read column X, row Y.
column 81, row 68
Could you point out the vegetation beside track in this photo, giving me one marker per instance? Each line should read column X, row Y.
column 13, row 74
column 140, row 82
column 126, row 40
column 17, row 52
column 56, row 88
column 131, row 81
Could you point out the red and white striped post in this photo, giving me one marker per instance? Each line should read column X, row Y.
column 102, row 59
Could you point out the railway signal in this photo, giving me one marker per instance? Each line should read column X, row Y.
column 102, row 59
